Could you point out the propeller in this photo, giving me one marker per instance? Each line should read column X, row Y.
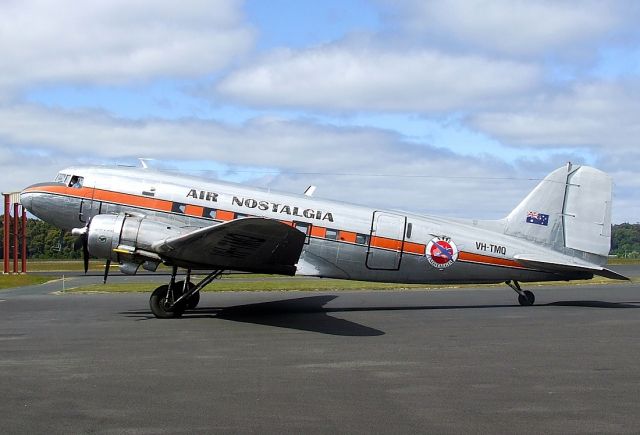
column 82, row 242
column 106, row 270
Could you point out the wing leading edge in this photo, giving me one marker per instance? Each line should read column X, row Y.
column 250, row 245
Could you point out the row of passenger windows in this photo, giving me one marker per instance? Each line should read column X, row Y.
column 347, row 236
column 329, row 233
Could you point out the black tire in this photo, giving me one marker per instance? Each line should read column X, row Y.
column 193, row 301
column 527, row 300
column 158, row 307
column 530, row 297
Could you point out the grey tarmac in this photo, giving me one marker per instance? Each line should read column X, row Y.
column 445, row 361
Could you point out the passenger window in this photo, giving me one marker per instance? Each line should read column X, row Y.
column 409, row 230
column 302, row 226
column 177, row 207
column 76, row 182
column 209, row 213
column 331, row 234
column 305, row 228
column 362, row 239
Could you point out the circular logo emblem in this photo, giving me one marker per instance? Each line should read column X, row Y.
column 441, row 252
column 102, row 239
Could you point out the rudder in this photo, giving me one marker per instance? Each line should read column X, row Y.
column 569, row 211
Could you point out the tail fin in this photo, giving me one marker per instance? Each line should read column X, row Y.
column 569, row 211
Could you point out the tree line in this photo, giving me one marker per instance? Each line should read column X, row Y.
column 44, row 241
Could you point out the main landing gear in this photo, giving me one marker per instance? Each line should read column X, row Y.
column 170, row 301
column 525, row 297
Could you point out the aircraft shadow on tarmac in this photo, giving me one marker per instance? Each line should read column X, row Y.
column 310, row 314
column 304, row 314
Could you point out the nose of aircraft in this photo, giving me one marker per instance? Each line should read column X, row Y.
column 26, row 199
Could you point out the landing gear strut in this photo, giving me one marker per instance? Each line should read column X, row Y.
column 525, row 297
column 170, row 301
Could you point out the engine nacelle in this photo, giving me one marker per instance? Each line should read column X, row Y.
column 109, row 235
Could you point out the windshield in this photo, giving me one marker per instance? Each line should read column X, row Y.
column 76, row 181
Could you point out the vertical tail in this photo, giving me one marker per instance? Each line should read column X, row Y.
column 569, row 211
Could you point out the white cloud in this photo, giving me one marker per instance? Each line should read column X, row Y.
column 365, row 78
column 49, row 140
column 116, row 41
column 598, row 117
column 602, row 116
column 514, row 27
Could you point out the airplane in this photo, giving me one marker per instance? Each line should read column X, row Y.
column 142, row 217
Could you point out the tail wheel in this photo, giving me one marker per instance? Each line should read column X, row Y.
column 528, row 299
column 161, row 307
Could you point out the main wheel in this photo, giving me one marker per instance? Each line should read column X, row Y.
column 528, row 299
column 160, row 306
column 193, row 301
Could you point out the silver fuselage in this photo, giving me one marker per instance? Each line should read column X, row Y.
column 344, row 240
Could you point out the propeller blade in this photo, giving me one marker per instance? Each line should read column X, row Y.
column 82, row 240
column 77, row 244
column 85, row 252
column 106, row 271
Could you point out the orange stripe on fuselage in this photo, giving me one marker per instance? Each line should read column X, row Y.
column 106, row 196
column 193, row 210
column 224, row 215
column 414, row 248
column 133, row 200
column 384, row 243
column 347, row 236
column 319, row 232
column 488, row 260
column 82, row 192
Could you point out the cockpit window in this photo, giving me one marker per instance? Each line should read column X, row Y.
column 60, row 178
column 76, row 182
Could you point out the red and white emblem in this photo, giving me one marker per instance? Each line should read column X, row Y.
column 441, row 252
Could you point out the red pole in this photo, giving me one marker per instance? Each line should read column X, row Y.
column 24, row 240
column 7, row 231
column 16, row 241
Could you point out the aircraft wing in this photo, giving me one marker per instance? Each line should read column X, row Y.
column 541, row 263
column 250, row 245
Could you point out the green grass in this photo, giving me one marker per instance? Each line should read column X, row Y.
column 269, row 284
column 9, row 281
column 63, row 265
column 72, row 266
column 615, row 261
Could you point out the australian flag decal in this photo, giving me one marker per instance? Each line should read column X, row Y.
column 533, row 217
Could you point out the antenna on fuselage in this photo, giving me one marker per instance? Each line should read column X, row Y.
column 310, row 190
column 143, row 162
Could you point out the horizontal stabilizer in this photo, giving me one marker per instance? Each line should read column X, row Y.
column 249, row 245
column 574, row 265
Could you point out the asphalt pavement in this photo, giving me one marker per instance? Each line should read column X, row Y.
column 449, row 361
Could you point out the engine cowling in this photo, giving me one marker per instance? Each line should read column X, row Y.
column 109, row 236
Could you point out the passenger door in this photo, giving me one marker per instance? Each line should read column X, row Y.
column 386, row 241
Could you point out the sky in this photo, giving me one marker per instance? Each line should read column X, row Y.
column 454, row 108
